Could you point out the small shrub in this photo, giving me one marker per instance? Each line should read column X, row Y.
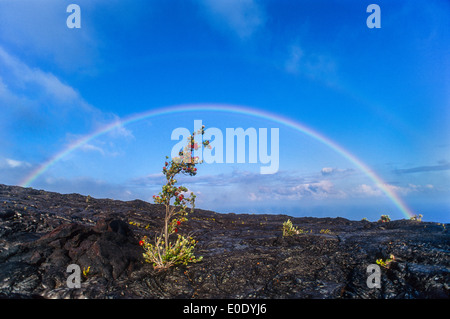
column 290, row 230
column 386, row 264
column 417, row 218
column 179, row 252
column 164, row 253
column 384, row 219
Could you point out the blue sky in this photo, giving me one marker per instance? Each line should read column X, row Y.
column 381, row 94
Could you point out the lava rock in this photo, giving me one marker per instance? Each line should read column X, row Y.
column 244, row 256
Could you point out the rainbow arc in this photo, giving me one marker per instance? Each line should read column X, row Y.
column 383, row 186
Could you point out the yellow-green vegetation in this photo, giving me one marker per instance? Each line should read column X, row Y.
column 86, row 271
column 417, row 218
column 290, row 230
column 137, row 224
column 386, row 263
column 179, row 252
column 203, row 218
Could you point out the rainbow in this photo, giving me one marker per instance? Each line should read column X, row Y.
column 26, row 182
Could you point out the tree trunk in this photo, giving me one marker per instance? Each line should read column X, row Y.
column 166, row 226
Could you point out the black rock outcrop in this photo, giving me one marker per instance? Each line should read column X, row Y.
column 244, row 256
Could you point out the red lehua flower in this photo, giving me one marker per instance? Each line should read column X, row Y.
column 178, row 222
column 166, row 163
column 141, row 243
column 181, row 197
column 176, row 230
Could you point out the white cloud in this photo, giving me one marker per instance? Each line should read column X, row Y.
column 12, row 170
column 11, row 163
column 293, row 62
column 149, row 180
column 317, row 66
column 411, row 188
column 119, row 130
column 89, row 147
column 23, row 80
column 42, row 100
column 254, row 198
column 327, row 170
column 308, row 190
column 3, row 87
column 242, row 17
column 317, row 190
column 373, row 191
column 367, row 191
column 332, row 171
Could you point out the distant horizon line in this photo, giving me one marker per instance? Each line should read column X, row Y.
column 222, row 211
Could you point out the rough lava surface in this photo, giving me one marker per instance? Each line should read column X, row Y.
column 244, row 256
